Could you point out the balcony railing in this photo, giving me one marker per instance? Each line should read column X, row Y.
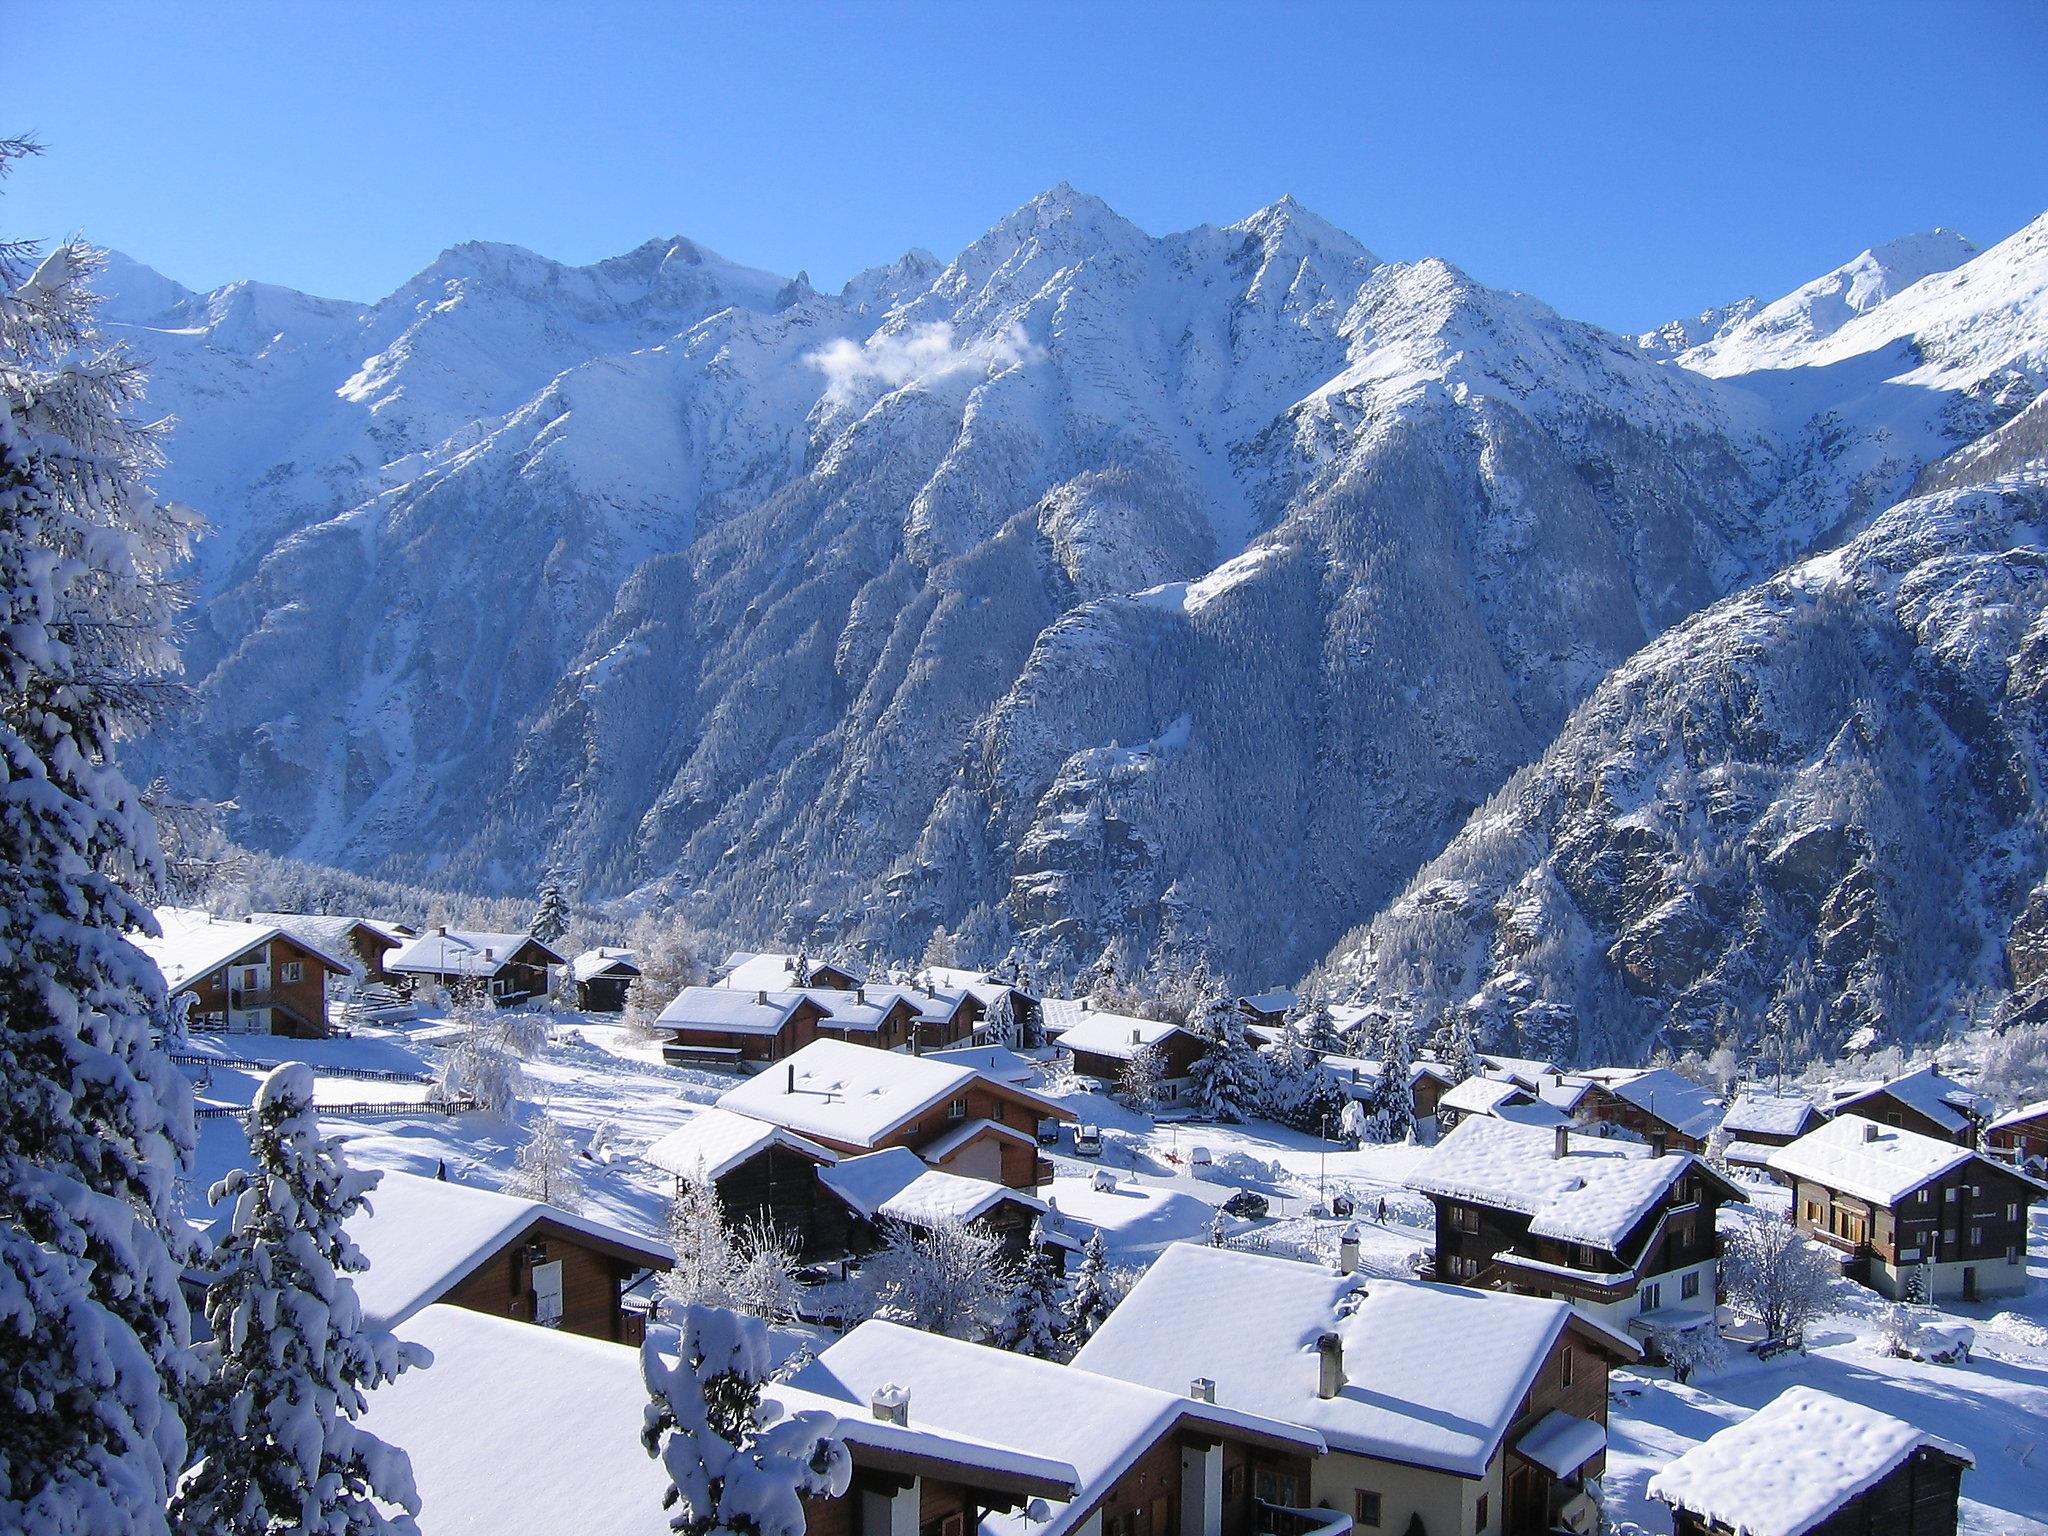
column 1280, row 1520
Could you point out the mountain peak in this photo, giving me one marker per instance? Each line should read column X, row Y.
column 1286, row 226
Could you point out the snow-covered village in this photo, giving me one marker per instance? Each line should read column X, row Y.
column 1158, row 875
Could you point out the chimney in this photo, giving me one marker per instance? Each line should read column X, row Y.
column 860, row 994
column 791, row 1081
column 1330, row 1365
column 761, row 996
column 1564, row 1141
column 1202, row 1389
column 442, row 930
column 891, row 1403
column 1134, row 1036
column 1870, row 1130
column 487, row 952
column 1347, row 1251
column 1659, row 1143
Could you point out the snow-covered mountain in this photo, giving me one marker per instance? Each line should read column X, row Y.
column 1092, row 588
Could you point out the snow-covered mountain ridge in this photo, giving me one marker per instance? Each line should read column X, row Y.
column 1092, row 588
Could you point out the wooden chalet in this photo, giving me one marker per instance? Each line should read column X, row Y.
column 1441, row 1409
column 431, row 1240
column 602, row 977
column 1626, row 1236
column 524, row 1431
column 1892, row 1202
column 1103, row 1046
column 745, row 971
column 1668, row 1112
column 1359, row 1077
column 745, row 1031
column 1756, row 1124
column 759, row 1170
column 509, row 967
column 242, row 976
column 1820, row 1465
column 1924, row 1102
column 1147, row 1461
column 1496, row 1098
column 2020, row 1138
column 364, row 942
column 851, row 1099
column 1268, row 1008
column 896, row 1185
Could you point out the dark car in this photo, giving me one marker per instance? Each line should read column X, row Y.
column 1246, row 1203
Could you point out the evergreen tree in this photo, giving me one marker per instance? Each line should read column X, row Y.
column 1227, row 1080
column 290, row 1361
column 1091, row 1298
column 707, row 1267
column 1456, row 1048
column 545, row 1169
column 1394, row 1100
column 1319, row 1029
column 551, row 917
column 1003, row 1025
column 735, row 1467
column 1035, row 1321
column 95, row 1125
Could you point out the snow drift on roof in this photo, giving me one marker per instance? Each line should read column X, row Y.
column 195, row 944
column 1792, row 1463
column 1769, row 1114
column 1870, row 1161
column 593, row 963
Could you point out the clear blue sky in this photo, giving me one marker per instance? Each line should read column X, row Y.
column 1625, row 162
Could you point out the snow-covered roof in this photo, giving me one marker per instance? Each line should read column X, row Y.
column 422, row 1235
column 751, row 972
column 1279, row 1000
column 847, row 1093
column 1791, row 1464
column 328, row 933
column 713, row 1142
column 1561, row 1442
column 195, row 944
column 1117, row 1035
column 521, row 1431
column 1098, row 1424
column 979, row 985
column 984, row 1463
column 1769, row 1114
column 1941, row 1099
column 1870, row 1161
column 1679, row 1102
column 1060, row 1014
column 863, row 1009
column 1437, row 1371
column 462, row 952
column 896, row 1182
column 729, row 1011
column 1595, row 1193
column 2020, row 1116
column 992, row 1061
column 593, row 963
column 1499, row 1097
column 1530, row 1069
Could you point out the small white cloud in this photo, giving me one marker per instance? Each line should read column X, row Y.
column 916, row 355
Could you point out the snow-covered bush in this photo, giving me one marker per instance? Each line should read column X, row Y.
column 1137, row 1085
column 289, row 1363
column 944, row 1278
column 478, row 1067
column 545, row 1169
column 95, row 1124
column 765, row 1285
column 1035, row 1318
column 1778, row 1277
column 736, row 1466
column 2016, row 1066
column 706, row 1271
column 1690, row 1352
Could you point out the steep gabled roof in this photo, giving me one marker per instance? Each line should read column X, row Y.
column 464, row 952
column 896, row 1182
column 1437, row 1372
column 1941, row 1099
column 713, row 1142
column 1884, row 1163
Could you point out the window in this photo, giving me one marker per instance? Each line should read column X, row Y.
column 1949, row 1236
column 996, row 1113
column 1479, row 1518
column 294, row 970
column 1950, row 1195
column 1651, row 1299
column 249, row 975
column 1564, row 1366
column 1689, row 1287
column 1366, row 1508
column 1922, row 1195
column 2012, row 1213
column 1976, row 1237
column 957, row 1110
column 1262, row 1485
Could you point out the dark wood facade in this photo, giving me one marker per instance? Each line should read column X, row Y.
column 595, row 1274
column 1572, row 1379
column 277, row 986
column 1601, row 1105
column 2023, row 1140
column 781, row 1185
column 1887, row 1108
column 606, row 991
column 1916, row 1498
column 1179, row 1052
column 1975, row 1212
column 691, row 1043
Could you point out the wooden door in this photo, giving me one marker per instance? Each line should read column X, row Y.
column 1969, row 1282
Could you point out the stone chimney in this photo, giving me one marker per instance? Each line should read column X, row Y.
column 1134, row 1035
column 1564, row 1141
column 761, row 996
column 1347, row 1251
column 1329, row 1365
column 860, row 995
column 891, row 1403
column 1202, row 1389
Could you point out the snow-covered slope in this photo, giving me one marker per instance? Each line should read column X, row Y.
column 1093, row 588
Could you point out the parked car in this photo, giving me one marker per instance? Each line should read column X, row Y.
column 1246, row 1203
column 1087, row 1141
column 1048, row 1132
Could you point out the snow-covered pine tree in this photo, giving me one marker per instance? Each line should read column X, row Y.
column 1227, row 1080
column 736, row 1466
column 1319, row 1028
column 1394, row 1102
column 290, row 1360
column 1002, row 1025
column 551, row 916
column 707, row 1267
column 1035, row 1321
column 1456, row 1047
column 95, row 1124
column 545, row 1169
column 1091, row 1297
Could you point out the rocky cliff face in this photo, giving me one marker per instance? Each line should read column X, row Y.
column 1091, row 589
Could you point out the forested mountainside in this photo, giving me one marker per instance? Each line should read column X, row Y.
column 1091, row 589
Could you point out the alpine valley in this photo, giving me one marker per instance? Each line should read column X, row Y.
column 1229, row 593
